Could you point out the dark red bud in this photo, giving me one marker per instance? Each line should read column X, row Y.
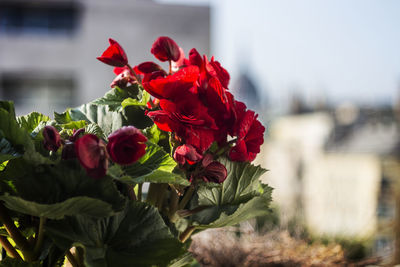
column 164, row 49
column 92, row 154
column 186, row 153
column 52, row 139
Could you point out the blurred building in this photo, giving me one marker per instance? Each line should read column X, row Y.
column 337, row 172
column 48, row 48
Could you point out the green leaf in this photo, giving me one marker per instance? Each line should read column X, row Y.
column 241, row 184
column 7, row 151
column 95, row 129
column 113, row 99
column 74, row 125
column 64, row 186
column 116, row 99
column 8, row 106
column 11, row 262
column 228, row 215
column 134, row 102
column 3, row 165
column 72, row 206
column 31, row 121
column 136, row 236
column 153, row 134
column 62, row 118
column 240, row 197
column 156, row 166
column 10, row 130
column 185, row 260
column 20, row 139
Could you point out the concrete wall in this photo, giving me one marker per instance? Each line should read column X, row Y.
column 341, row 194
column 134, row 24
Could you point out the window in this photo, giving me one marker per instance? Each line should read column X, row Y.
column 38, row 17
column 44, row 94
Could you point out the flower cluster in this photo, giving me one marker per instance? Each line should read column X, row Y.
column 191, row 101
column 124, row 147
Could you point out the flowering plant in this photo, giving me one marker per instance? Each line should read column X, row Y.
column 72, row 187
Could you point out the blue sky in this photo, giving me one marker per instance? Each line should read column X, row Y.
column 340, row 50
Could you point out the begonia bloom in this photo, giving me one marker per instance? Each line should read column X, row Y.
column 114, row 55
column 126, row 145
column 92, row 154
column 52, row 139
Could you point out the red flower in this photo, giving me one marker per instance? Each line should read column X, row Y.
column 52, row 139
column 249, row 132
column 126, row 145
column 124, row 76
column 164, row 48
column 186, row 153
column 92, row 154
column 215, row 69
column 188, row 119
column 114, row 55
column 173, row 86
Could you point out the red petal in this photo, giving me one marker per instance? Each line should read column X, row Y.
column 163, row 121
column 114, row 55
column 148, row 67
column 91, row 152
column 173, row 86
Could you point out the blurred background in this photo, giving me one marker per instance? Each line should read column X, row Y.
column 324, row 77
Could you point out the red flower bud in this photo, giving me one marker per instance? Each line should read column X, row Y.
column 126, row 145
column 186, row 153
column 214, row 171
column 52, row 139
column 68, row 151
column 114, row 55
column 92, row 154
column 148, row 67
column 164, row 48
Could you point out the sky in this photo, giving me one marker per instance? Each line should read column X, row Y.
column 337, row 50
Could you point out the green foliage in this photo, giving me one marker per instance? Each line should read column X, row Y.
column 9, row 107
column 54, row 191
column 104, row 216
column 240, row 197
column 11, row 262
column 136, row 236
column 184, row 261
column 156, row 166
column 31, row 121
column 7, row 151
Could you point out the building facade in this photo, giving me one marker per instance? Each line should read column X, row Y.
column 48, row 48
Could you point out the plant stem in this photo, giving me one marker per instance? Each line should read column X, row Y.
column 13, row 231
column 134, row 73
column 131, row 192
column 186, row 197
column 71, row 259
column 161, row 195
column 185, row 213
column 79, row 253
column 152, row 194
column 186, row 234
column 40, row 237
column 139, row 196
column 9, row 248
column 173, row 204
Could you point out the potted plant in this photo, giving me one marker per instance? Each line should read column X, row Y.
column 72, row 187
